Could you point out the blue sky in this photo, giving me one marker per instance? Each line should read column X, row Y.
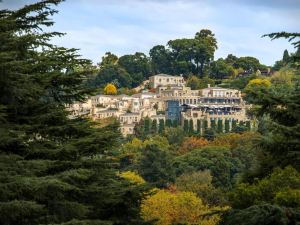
column 127, row 26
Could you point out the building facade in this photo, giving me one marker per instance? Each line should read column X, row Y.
column 165, row 80
column 172, row 100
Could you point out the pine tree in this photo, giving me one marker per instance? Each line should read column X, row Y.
column 156, row 167
column 53, row 169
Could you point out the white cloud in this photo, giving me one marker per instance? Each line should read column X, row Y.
column 127, row 26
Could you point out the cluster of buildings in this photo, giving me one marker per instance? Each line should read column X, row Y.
column 172, row 100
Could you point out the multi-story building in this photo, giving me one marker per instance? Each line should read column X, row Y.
column 216, row 104
column 165, row 80
column 130, row 118
column 106, row 113
column 172, row 100
column 80, row 108
column 173, row 111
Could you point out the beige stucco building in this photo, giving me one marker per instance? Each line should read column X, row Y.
column 165, row 80
column 208, row 104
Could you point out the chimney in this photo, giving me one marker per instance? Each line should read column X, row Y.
column 208, row 85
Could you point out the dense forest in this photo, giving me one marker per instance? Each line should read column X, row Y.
column 180, row 56
column 57, row 170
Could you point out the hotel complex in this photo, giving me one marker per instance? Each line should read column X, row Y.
column 172, row 100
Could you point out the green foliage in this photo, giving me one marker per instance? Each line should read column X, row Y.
column 112, row 74
column 220, row 126
column 147, row 122
column 53, row 169
column 227, row 127
column 186, row 126
column 191, row 127
column 155, row 166
column 249, row 63
column 185, row 56
column 200, row 183
column 220, row 69
column 213, row 124
column 108, row 59
column 168, row 123
column 161, row 60
column 262, row 214
column 199, row 126
column 175, row 123
column 218, row 160
column 234, row 124
column 154, row 126
column 273, row 189
column 280, row 105
column 21, row 212
column 175, row 136
column 196, row 83
column 161, row 126
column 137, row 65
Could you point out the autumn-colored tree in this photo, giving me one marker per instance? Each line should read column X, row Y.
column 132, row 177
column 200, row 183
column 256, row 89
column 259, row 82
column 110, row 89
column 232, row 140
column 177, row 208
column 130, row 152
column 191, row 143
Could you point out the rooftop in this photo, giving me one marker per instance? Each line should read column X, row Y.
column 165, row 75
column 130, row 114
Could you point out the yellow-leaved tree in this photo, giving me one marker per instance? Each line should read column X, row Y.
column 132, row 177
column 110, row 89
column 177, row 208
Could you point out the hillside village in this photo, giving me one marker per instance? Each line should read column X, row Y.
column 172, row 101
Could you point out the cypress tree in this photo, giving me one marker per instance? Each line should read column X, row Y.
column 154, row 126
column 220, row 126
column 286, row 57
column 248, row 125
column 175, row 123
column 233, row 124
column 205, row 126
column 199, row 127
column 147, row 125
column 168, row 123
column 227, row 128
column 191, row 127
column 186, row 126
column 161, row 127
column 213, row 124
column 54, row 169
